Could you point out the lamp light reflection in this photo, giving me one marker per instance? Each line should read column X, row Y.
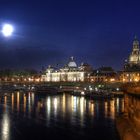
column 5, row 127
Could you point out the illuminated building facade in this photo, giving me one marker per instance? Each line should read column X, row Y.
column 133, row 61
column 104, row 74
column 130, row 76
column 134, row 58
column 131, row 72
column 70, row 72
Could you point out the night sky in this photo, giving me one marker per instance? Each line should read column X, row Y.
column 99, row 32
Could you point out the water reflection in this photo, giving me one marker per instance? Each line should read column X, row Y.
column 24, row 104
column 18, row 101
column 52, row 105
column 29, row 104
column 58, row 110
column 5, row 128
column 106, row 109
column 48, row 110
column 64, row 104
column 82, row 105
column 55, row 104
column 112, row 109
column 128, row 123
column 12, row 98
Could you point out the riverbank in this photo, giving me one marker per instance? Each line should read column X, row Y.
column 126, row 130
column 132, row 88
column 128, row 124
column 100, row 84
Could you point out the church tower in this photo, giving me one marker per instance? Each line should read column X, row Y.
column 134, row 58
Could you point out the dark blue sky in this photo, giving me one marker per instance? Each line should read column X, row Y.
column 99, row 32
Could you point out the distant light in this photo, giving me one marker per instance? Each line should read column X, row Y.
column 82, row 93
column 123, row 79
column 136, row 80
column 90, row 88
column 7, row 30
column 96, row 89
column 117, row 89
column 112, row 80
column 99, row 85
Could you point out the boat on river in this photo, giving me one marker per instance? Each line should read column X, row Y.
column 118, row 93
column 46, row 90
column 99, row 95
column 78, row 93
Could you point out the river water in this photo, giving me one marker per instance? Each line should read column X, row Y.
column 28, row 116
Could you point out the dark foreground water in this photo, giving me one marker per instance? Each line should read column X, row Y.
column 26, row 117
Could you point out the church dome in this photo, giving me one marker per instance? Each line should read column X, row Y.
column 134, row 57
column 72, row 63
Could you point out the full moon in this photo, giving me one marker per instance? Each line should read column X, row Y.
column 7, row 30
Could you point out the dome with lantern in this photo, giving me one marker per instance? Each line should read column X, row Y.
column 72, row 63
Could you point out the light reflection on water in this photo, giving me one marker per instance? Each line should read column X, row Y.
column 5, row 128
column 55, row 111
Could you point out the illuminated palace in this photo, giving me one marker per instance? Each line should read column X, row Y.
column 131, row 71
column 70, row 72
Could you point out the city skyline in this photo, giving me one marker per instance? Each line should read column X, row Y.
column 99, row 33
column 70, row 69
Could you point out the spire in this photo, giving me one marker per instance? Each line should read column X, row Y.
column 135, row 37
column 135, row 44
column 135, row 54
column 72, row 58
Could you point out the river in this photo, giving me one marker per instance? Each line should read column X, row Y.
column 28, row 116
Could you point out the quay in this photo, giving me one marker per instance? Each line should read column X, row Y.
column 132, row 88
column 128, row 124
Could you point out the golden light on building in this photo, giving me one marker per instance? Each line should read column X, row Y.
column 112, row 80
column 124, row 80
column 131, row 72
column 70, row 72
column 37, row 80
column 130, row 76
column 136, row 80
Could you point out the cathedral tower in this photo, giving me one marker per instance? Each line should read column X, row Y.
column 134, row 58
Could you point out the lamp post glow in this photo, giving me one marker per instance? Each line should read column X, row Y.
column 7, row 30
